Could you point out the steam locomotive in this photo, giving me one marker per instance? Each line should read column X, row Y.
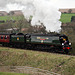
column 51, row 42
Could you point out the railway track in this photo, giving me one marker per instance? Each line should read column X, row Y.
column 42, row 51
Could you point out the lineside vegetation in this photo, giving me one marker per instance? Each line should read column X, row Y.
column 6, row 73
column 58, row 63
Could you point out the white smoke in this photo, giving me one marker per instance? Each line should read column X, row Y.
column 43, row 11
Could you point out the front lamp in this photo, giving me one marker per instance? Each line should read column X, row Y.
column 69, row 43
column 62, row 43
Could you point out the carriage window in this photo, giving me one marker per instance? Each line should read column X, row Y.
column 1, row 37
column 5, row 37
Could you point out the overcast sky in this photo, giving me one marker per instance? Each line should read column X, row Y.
column 64, row 3
column 57, row 3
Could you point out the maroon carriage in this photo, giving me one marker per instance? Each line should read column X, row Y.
column 5, row 39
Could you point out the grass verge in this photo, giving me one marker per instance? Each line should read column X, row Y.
column 58, row 63
column 5, row 73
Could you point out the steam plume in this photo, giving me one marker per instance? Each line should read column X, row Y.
column 43, row 11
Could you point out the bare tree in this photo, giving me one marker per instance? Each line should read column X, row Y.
column 37, row 29
column 22, row 23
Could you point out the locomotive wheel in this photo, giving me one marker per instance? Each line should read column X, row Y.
column 66, row 51
column 2, row 44
column 22, row 46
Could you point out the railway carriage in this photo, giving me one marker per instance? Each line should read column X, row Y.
column 5, row 39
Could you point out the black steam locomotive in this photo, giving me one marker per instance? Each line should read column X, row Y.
column 51, row 42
